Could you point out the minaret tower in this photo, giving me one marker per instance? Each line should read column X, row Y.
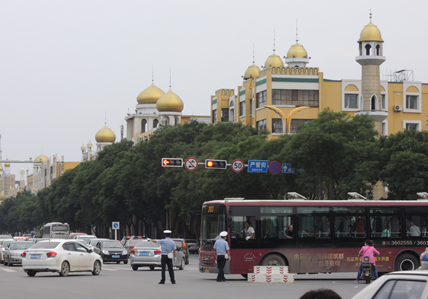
column 371, row 57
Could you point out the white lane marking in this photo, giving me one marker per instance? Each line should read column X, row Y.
column 8, row 270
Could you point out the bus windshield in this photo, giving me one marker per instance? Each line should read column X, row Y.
column 213, row 222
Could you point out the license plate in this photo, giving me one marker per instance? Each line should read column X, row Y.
column 35, row 256
column 115, row 256
column 144, row 253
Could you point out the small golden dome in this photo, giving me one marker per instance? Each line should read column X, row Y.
column 42, row 158
column 105, row 135
column 252, row 71
column 7, row 164
column 370, row 33
column 170, row 102
column 274, row 61
column 297, row 51
column 83, row 147
column 150, row 94
column 89, row 144
column 1, row 168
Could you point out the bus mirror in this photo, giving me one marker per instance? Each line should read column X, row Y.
column 229, row 222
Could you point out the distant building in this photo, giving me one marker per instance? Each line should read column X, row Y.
column 155, row 107
column 282, row 86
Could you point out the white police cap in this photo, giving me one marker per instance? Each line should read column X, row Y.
column 167, row 231
column 223, row 234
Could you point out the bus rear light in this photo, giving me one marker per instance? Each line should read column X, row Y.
column 51, row 254
column 131, row 247
column 158, row 252
column 132, row 251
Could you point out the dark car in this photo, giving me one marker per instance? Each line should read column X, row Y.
column 192, row 245
column 182, row 246
column 111, row 251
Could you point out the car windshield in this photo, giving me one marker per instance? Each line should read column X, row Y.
column 20, row 245
column 45, row 245
column 112, row 244
column 5, row 243
column 87, row 239
column 147, row 244
column 132, row 242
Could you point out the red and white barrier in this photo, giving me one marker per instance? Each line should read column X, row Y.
column 270, row 269
column 271, row 274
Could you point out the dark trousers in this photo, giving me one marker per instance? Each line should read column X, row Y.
column 166, row 261
column 221, row 262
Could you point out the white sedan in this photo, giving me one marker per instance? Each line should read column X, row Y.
column 405, row 284
column 61, row 256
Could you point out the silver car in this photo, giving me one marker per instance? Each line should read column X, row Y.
column 4, row 243
column 148, row 254
column 12, row 253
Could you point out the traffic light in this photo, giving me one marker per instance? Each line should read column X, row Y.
column 215, row 164
column 172, row 162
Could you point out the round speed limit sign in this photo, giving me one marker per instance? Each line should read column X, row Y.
column 237, row 165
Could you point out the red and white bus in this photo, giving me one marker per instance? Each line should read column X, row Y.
column 326, row 236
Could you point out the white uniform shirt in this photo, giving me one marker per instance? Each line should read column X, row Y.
column 249, row 232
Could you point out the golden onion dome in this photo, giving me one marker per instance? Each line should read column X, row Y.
column 170, row 102
column 105, row 135
column 83, row 147
column 150, row 95
column 1, row 168
column 370, row 33
column 42, row 158
column 7, row 164
column 252, row 71
column 297, row 51
column 274, row 61
column 89, row 144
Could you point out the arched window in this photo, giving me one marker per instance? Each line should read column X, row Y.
column 373, row 103
column 368, row 47
column 155, row 123
column 143, row 126
column 378, row 50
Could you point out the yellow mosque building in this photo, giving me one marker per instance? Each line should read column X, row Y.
column 268, row 97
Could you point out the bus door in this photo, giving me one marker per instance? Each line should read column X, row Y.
column 277, row 228
column 239, row 219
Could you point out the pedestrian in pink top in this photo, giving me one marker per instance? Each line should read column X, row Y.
column 369, row 251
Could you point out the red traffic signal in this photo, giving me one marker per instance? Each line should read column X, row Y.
column 172, row 162
column 215, row 164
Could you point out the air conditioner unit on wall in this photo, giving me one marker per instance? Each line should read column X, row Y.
column 398, row 107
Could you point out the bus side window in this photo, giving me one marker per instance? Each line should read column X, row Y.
column 306, row 227
column 237, row 229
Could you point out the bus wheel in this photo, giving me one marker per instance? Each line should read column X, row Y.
column 406, row 262
column 273, row 260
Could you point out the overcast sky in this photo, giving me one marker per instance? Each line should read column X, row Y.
column 65, row 65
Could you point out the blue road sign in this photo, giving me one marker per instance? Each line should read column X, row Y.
column 286, row 168
column 258, row 166
column 275, row 167
column 115, row 225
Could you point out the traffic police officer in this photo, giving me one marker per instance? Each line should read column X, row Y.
column 168, row 249
column 223, row 254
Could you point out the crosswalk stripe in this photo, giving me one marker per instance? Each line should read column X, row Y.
column 8, row 270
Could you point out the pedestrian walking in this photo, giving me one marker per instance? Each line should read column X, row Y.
column 223, row 254
column 169, row 253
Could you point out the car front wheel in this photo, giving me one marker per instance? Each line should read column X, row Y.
column 183, row 262
column 65, row 269
column 97, row 268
